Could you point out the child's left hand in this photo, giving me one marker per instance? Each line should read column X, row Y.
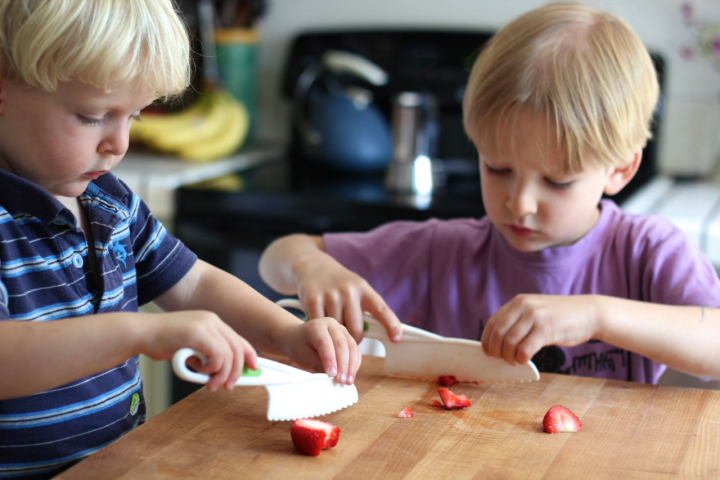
column 521, row 327
column 323, row 345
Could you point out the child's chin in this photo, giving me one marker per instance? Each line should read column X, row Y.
column 525, row 245
column 72, row 191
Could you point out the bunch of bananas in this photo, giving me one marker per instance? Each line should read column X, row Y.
column 214, row 127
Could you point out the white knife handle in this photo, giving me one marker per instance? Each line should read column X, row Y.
column 373, row 328
column 269, row 372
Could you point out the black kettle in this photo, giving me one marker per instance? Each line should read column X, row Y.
column 338, row 123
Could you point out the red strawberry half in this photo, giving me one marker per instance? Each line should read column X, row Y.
column 559, row 419
column 310, row 436
column 405, row 413
column 447, row 380
column 452, row 401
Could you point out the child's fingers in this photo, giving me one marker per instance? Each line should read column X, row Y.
column 512, row 339
column 239, row 346
column 218, row 367
column 494, row 334
column 323, row 345
column 531, row 344
column 333, row 308
column 355, row 359
column 353, row 320
column 315, row 307
column 250, row 357
column 487, row 335
column 341, row 341
column 376, row 306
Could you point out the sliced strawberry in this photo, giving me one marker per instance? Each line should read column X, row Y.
column 405, row 413
column 447, row 380
column 559, row 419
column 435, row 403
column 452, row 401
column 310, row 436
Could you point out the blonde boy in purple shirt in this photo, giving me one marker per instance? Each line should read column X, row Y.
column 558, row 105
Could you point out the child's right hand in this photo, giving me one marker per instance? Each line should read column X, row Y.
column 327, row 289
column 226, row 351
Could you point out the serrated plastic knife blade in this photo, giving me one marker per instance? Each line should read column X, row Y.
column 308, row 398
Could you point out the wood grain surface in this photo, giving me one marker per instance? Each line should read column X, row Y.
column 629, row 431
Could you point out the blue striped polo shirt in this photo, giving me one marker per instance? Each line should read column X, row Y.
column 44, row 276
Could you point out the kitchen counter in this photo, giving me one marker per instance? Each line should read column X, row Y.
column 155, row 177
column 629, row 431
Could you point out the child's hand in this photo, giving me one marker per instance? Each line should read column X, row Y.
column 521, row 327
column 226, row 351
column 323, row 345
column 327, row 289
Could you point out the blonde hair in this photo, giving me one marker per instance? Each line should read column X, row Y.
column 104, row 43
column 582, row 69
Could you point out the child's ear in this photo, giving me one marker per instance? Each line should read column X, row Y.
column 621, row 176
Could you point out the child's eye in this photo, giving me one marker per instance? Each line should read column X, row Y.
column 90, row 120
column 496, row 171
column 558, row 185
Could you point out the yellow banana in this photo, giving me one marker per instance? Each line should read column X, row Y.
column 154, row 123
column 225, row 142
column 206, row 126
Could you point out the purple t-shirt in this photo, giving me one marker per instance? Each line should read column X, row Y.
column 450, row 276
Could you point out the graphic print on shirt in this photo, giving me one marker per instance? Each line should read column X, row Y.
column 134, row 403
column 120, row 253
column 550, row 359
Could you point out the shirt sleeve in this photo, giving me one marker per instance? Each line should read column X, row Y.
column 395, row 259
column 676, row 272
column 161, row 260
column 4, row 302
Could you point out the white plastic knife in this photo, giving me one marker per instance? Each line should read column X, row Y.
column 292, row 393
column 424, row 355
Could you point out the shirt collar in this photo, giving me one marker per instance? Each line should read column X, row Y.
column 20, row 195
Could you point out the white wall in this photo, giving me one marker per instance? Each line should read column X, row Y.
column 693, row 109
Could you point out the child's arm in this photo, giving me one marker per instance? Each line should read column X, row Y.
column 321, row 344
column 682, row 337
column 37, row 356
column 298, row 264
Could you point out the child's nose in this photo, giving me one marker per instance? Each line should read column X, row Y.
column 521, row 200
column 115, row 142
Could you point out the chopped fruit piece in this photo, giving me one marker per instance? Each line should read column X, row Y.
column 405, row 413
column 310, row 436
column 452, row 401
column 435, row 403
column 559, row 419
column 447, row 380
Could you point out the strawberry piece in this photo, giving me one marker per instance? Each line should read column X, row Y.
column 561, row 420
column 405, row 413
column 452, row 401
column 310, row 436
column 435, row 403
column 447, row 380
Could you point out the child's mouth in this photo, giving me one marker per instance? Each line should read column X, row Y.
column 521, row 231
column 95, row 175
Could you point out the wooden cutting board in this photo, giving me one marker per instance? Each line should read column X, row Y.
column 629, row 431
